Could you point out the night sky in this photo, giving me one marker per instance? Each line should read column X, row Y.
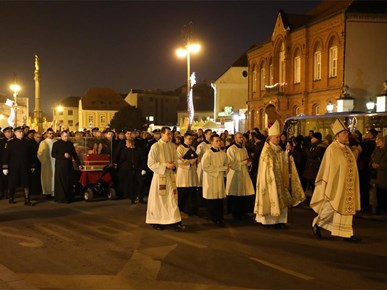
column 125, row 45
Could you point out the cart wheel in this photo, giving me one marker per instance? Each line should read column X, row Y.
column 112, row 193
column 88, row 194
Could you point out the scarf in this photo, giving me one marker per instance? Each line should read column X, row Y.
column 163, row 177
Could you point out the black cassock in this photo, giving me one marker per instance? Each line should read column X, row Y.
column 18, row 159
column 64, row 170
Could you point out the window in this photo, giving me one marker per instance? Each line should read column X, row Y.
column 254, row 80
column 316, row 109
column 61, row 113
column 70, row 112
column 70, row 123
column 333, row 61
column 297, row 69
column 102, row 120
column 317, row 65
column 282, row 67
column 296, row 111
column 271, row 76
column 91, row 120
column 262, row 79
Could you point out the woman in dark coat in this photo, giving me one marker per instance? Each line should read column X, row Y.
column 63, row 151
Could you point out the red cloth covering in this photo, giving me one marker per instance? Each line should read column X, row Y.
column 91, row 177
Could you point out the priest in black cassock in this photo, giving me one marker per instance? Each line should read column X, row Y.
column 63, row 151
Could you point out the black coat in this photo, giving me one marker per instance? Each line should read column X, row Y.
column 18, row 158
column 64, row 170
column 314, row 156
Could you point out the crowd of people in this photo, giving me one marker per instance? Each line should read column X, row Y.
column 262, row 173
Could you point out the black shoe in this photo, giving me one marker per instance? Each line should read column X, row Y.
column 317, row 232
column 279, row 226
column 158, row 227
column 28, row 202
column 352, row 239
column 179, row 228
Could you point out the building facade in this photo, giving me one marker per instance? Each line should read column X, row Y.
column 66, row 114
column 98, row 106
column 231, row 94
column 158, row 107
column 326, row 56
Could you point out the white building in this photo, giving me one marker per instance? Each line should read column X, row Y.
column 231, row 95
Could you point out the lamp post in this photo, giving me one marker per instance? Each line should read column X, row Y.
column 16, row 89
column 186, row 52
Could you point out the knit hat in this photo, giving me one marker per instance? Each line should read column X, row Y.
column 317, row 135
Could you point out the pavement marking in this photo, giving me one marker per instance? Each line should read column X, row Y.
column 45, row 228
column 282, row 269
column 105, row 230
column 185, row 241
column 82, row 211
column 29, row 242
column 124, row 223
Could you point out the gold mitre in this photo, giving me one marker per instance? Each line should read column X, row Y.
column 338, row 126
column 275, row 130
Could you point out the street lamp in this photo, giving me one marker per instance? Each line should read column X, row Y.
column 370, row 105
column 330, row 107
column 186, row 52
column 16, row 89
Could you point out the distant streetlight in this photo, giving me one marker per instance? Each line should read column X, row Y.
column 15, row 88
column 186, row 52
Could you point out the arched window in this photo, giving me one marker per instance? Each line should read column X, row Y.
column 262, row 79
column 296, row 111
column 317, row 62
column 254, row 79
column 297, row 66
column 271, row 73
column 281, row 65
column 332, row 64
column 316, row 109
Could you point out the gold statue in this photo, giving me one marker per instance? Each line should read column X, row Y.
column 36, row 63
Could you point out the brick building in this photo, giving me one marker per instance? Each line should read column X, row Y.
column 333, row 54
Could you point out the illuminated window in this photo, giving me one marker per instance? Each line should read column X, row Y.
column 297, row 69
column 317, row 66
column 262, row 78
column 333, row 61
column 254, row 80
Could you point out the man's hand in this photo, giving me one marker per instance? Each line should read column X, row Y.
column 32, row 170
column 143, row 172
column 171, row 165
column 5, row 171
column 67, row 155
column 193, row 161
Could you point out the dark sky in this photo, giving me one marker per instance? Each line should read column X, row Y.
column 125, row 44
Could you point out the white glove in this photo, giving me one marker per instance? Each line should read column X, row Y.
column 32, row 170
column 143, row 172
column 5, row 171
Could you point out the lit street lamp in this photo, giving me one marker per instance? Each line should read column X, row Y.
column 370, row 105
column 16, row 89
column 330, row 107
column 186, row 52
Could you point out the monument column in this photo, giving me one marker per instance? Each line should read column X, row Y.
column 37, row 112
